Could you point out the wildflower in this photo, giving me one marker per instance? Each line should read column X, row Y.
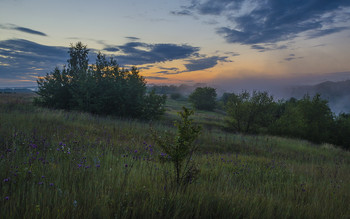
column 135, row 151
column 40, row 183
column 42, row 176
column 98, row 165
column 57, row 149
column 87, row 167
column 51, row 184
column 126, row 165
column 6, row 180
column 7, row 198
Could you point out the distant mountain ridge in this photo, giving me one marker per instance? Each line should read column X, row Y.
column 18, row 90
column 337, row 93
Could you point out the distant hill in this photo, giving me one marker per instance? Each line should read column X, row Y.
column 17, row 90
column 337, row 93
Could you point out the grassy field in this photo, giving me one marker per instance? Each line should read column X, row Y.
column 57, row 164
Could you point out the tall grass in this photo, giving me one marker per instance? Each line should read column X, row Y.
column 57, row 164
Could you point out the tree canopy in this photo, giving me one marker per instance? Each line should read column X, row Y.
column 100, row 88
column 204, row 98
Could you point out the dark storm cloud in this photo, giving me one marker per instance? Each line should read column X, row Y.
column 138, row 53
column 272, row 21
column 22, row 29
column 204, row 63
column 19, row 57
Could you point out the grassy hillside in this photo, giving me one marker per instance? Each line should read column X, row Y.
column 57, row 164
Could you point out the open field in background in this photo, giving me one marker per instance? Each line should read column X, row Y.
column 57, row 164
column 207, row 119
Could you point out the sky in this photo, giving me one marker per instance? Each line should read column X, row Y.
column 234, row 44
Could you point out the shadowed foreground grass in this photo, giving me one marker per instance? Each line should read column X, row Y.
column 56, row 164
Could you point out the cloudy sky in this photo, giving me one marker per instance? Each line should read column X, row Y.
column 232, row 43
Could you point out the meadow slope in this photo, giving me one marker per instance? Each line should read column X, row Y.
column 58, row 164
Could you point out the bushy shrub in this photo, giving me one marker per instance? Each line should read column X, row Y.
column 179, row 150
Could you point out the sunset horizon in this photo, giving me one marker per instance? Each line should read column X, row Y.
column 220, row 43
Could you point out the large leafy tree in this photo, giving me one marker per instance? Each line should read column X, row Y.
column 249, row 113
column 204, row 98
column 101, row 88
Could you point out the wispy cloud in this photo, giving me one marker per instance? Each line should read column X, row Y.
column 204, row 63
column 111, row 49
column 132, row 38
column 22, row 29
column 182, row 12
column 138, row 53
column 156, row 78
column 21, row 57
column 268, row 47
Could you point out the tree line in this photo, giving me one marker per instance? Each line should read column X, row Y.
column 100, row 88
column 257, row 112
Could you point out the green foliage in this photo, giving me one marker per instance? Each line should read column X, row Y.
column 249, row 113
column 175, row 96
column 153, row 105
column 180, row 150
column 103, row 88
column 204, row 98
column 341, row 131
column 307, row 118
column 110, row 172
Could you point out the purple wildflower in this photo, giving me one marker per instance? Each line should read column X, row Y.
column 126, row 165
column 98, row 165
column 7, row 198
column 6, row 180
column 40, row 183
column 51, row 184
